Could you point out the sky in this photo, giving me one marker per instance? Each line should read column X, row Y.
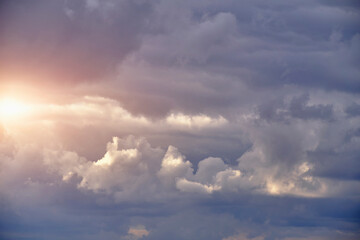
column 179, row 119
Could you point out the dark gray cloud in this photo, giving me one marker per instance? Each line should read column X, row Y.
column 297, row 108
column 215, row 57
column 353, row 110
column 334, row 158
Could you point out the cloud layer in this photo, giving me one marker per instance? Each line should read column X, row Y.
column 180, row 120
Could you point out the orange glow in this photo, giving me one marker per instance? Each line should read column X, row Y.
column 12, row 108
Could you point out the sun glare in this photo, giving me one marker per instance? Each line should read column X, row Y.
column 11, row 108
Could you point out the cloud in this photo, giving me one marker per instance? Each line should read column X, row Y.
column 195, row 121
column 137, row 232
column 173, row 165
column 353, row 110
column 134, row 176
column 298, row 108
column 243, row 237
column 64, row 41
column 189, row 186
column 212, row 175
column 181, row 119
column 131, row 168
column 124, row 170
column 195, row 42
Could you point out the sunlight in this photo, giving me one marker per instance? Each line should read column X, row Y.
column 12, row 108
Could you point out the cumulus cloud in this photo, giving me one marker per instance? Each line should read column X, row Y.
column 137, row 232
column 131, row 168
column 126, row 168
column 173, row 166
column 212, row 175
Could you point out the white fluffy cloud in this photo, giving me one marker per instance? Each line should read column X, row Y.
column 132, row 168
column 127, row 168
column 197, row 121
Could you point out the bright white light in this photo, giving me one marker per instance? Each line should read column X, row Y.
column 12, row 108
